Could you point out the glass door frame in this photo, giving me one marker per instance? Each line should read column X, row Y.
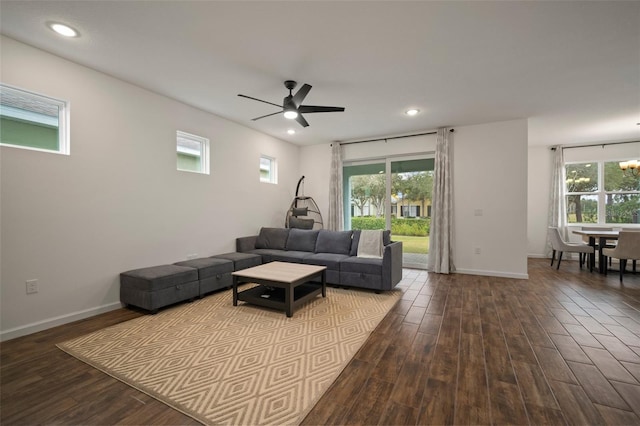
column 386, row 161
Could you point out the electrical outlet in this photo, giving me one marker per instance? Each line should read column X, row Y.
column 192, row 256
column 477, row 250
column 32, row 286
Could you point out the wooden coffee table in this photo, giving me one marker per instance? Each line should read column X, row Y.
column 282, row 285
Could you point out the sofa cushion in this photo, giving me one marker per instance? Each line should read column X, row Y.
column 208, row 266
column 289, row 256
column 272, row 238
column 271, row 255
column 330, row 260
column 338, row 242
column 241, row 260
column 302, row 240
column 158, row 277
column 386, row 240
column 362, row 265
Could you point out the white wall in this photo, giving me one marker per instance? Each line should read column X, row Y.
column 315, row 165
column 117, row 202
column 489, row 173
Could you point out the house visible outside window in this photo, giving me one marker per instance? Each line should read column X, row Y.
column 268, row 169
column 32, row 121
column 598, row 192
column 193, row 153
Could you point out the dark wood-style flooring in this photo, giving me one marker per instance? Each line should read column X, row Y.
column 560, row 348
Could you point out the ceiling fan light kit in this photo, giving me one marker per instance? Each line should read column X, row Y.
column 292, row 104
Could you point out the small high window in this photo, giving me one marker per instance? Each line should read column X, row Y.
column 193, row 153
column 268, row 170
column 32, row 121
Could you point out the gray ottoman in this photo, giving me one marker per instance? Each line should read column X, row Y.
column 158, row 286
column 241, row 260
column 213, row 274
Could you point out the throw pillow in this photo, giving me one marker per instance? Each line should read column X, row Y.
column 296, row 222
column 386, row 240
column 300, row 211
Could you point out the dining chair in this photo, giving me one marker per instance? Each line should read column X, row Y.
column 614, row 242
column 628, row 248
column 560, row 245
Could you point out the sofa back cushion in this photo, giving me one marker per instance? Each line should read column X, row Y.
column 302, row 240
column 386, row 240
column 338, row 242
column 272, row 238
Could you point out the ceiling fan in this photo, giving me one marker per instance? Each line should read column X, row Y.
column 292, row 104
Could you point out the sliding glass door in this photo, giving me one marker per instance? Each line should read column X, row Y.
column 365, row 195
column 392, row 193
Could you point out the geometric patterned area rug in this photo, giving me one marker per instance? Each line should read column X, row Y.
column 222, row 364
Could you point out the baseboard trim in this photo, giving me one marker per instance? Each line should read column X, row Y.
column 56, row 321
column 492, row 274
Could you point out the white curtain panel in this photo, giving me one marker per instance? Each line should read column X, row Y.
column 440, row 258
column 336, row 220
column 557, row 199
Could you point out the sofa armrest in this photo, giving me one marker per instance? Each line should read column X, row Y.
column 391, row 265
column 245, row 244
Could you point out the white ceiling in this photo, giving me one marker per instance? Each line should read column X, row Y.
column 571, row 68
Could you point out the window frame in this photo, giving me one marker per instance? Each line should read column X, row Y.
column 204, row 152
column 64, row 143
column 600, row 193
column 272, row 177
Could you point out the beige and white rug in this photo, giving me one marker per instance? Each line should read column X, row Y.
column 222, row 364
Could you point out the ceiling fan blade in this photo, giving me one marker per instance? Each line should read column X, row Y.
column 301, row 94
column 260, row 100
column 312, row 108
column 268, row 115
column 300, row 119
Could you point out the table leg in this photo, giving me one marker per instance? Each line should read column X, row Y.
column 324, row 283
column 592, row 256
column 288, row 300
column 602, row 263
column 235, row 291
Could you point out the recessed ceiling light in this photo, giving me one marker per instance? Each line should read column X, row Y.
column 412, row 112
column 291, row 132
column 62, row 29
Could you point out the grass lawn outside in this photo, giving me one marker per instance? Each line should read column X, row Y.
column 410, row 244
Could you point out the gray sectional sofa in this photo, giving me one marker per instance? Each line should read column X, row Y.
column 337, row 250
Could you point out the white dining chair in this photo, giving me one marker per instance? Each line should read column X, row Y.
column 628, row 248
column 560, row 245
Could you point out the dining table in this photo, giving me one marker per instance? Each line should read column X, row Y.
column 601, row 237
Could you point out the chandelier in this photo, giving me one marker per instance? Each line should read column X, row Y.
column 630, row 168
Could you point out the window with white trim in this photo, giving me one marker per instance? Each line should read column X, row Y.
column 193, row 153
column 599, row 192
column 268, row 169
column 32, row 121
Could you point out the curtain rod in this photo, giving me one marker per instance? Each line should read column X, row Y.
column 553, row 148
column 391, row 137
